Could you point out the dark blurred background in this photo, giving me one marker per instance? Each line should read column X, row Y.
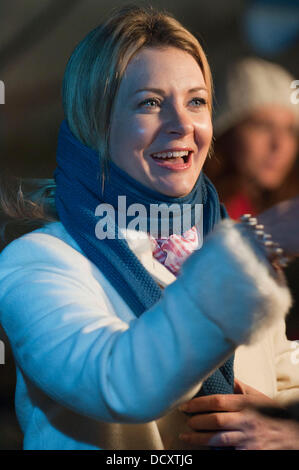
column 36, row 40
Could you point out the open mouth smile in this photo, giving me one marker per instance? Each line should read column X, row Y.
column 173, row 160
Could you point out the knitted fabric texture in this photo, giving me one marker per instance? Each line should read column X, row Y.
column 78, row 194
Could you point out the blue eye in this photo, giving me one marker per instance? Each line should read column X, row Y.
column 199, row 101
column 150, row 103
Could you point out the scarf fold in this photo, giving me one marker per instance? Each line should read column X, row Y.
column 174, row 250
column 79, row 192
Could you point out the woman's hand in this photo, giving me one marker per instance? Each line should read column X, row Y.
column 229, row 420
column 263, row 433
column 282, row 222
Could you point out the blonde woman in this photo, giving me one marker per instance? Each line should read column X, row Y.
column 111, row 334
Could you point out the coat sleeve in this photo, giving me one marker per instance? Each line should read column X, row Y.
column 72, row 344
column 287, row 366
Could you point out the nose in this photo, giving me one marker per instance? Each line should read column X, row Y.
column 178, row 120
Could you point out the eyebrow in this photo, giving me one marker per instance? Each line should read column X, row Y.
column 161, row 92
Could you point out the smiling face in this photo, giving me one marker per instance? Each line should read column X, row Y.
column 161, row 126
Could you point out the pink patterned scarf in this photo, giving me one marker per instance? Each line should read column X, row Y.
column 174, row 250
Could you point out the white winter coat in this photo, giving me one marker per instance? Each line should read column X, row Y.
column 92, row 376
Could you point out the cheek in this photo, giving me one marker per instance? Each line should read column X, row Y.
column 125, row 137
column 138, row 133
column 204, row 132
column 250, row 162
column 292, row 150
column 287, row 162
column 249, row 149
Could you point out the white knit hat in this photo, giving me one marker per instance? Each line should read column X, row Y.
column 250, row 84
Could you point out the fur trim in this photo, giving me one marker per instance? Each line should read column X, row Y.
column 232, row 284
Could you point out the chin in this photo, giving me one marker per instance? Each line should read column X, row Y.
column 270, row 185
column 175, row 191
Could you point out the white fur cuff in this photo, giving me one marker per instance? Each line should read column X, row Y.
column 232, row 285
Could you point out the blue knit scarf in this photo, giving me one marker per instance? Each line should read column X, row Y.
column 79, row 191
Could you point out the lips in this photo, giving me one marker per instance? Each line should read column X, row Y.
column 171, row 154
column 174, row 159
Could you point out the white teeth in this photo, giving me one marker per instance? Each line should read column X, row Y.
column 181, row 153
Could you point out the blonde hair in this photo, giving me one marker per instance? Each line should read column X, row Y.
column 97, row 65
column 90, row 85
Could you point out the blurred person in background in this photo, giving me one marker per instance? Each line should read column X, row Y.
column 255, row 164
column 256, row 138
